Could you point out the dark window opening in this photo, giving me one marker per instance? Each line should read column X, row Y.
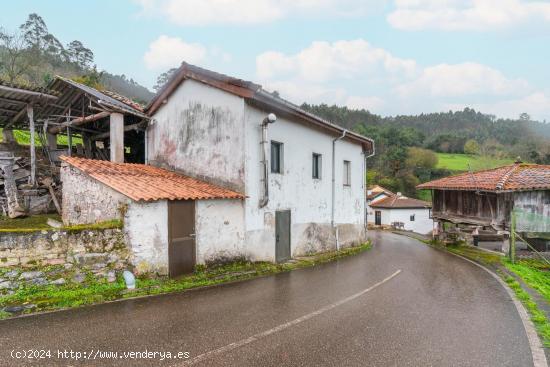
column 412, row 218
column 316, row 169
column 276, row 157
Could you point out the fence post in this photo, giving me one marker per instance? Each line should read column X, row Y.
column 512, row 254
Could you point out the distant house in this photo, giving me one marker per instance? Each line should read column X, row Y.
column 387, row 209
column 377, row 192
column 484, row 200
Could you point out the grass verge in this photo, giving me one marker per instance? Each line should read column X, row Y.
column 93, row 291
column 39, row 222
column 534, row 274
column 537, row 316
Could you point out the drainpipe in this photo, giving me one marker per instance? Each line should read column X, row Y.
column 271, row 118
column 365, row 181
column 334, row 186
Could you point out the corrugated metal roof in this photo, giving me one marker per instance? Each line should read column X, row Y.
column 15, row 97
column 100, row 97
column 515, row 177
column 143, row 182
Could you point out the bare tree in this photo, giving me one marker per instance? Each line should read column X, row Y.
column 13, row 60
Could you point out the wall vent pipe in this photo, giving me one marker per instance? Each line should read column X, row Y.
column 270, row 119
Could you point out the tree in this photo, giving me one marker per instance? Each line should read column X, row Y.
column 163, row 79
column 471, row 147
column 421, row 158
column 14, row 58
column 34, row 31
column 52, row 46
column 91, row 79
column 525, row 117
column 78, row 54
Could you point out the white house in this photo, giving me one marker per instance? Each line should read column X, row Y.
column 303, row 177
column 294, row 183
column 400, row 211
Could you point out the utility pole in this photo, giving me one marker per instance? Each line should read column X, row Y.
column 512, row 254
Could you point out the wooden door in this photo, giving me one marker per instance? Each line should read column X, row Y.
column 181, row 237
column 378, row 217
column 282, row 236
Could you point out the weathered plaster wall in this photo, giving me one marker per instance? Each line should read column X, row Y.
column 86, row 200
column 308, row 199
column 98, row 249
column 219, row 229
column 212, row 134
column 146, row 227
column 199, row 131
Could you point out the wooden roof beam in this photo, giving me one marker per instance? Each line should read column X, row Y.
column 77, row 122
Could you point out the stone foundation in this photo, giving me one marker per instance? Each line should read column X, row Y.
column 100, row 250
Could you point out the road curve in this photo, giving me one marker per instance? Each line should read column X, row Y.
column 399, row 304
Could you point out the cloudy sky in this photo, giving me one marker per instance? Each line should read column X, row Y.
column 390, row 57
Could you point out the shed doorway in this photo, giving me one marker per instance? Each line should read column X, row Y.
column 181, row 237
column 378, row 218
column 282, row 235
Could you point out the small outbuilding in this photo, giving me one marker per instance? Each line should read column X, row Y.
column 401, row 212
column 486, row 200
column 171, row 221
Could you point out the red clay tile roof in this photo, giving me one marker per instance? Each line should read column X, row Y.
column 515, row 177
column 400, row 202
column 148, row 183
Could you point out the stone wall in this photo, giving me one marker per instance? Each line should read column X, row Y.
column 99, row 250
column 86, row 200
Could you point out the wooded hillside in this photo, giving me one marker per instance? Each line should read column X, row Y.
column 406, row 145
column 32, row 55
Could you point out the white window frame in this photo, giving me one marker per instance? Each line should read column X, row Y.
column 347, row 173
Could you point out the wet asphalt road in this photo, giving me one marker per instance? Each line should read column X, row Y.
column 438, row 311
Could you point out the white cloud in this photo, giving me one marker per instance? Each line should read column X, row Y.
column 311, row 74
column 477, row 15
column 359, row 75
column 167, row 52
column 242, row 12
column 461, row 80
column 323, row 61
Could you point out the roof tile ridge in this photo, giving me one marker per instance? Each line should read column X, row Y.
column 506, row 176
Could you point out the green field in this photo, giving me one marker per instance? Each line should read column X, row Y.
column 460, row 162
column 24, row 138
